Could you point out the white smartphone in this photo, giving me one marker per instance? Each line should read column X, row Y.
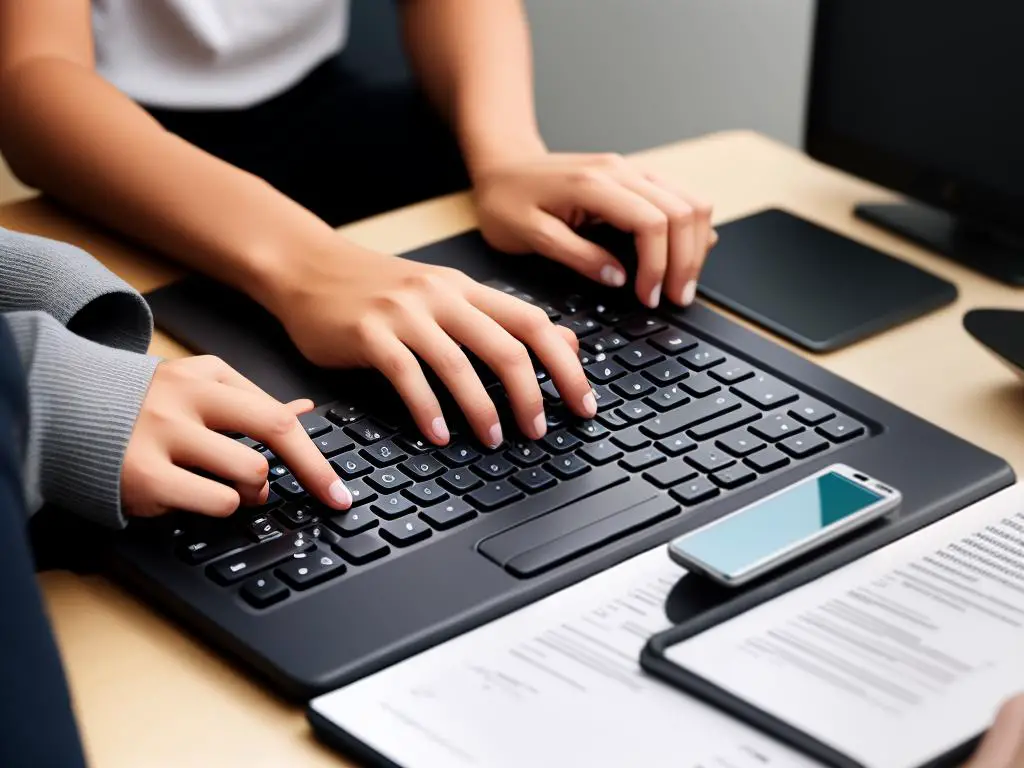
column 755, row 539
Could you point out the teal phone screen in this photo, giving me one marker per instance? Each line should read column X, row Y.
column 736, row 543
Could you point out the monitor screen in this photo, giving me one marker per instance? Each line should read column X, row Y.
column 924, row 96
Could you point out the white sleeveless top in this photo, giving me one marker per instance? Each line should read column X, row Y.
column 213, row 53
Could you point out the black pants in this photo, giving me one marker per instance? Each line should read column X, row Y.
column 37, row 727
column 342, row 149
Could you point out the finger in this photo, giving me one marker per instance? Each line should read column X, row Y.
column 600, row 195
column 449, row 362
column 197, row 447
column 1004, row 741
column 392, row 358
column 704, row 236
column 551, row 237
column 261, row 417
column 548, row 341
column 175, row 488
column 253, row 497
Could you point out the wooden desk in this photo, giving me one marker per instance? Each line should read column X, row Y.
column 148, row 695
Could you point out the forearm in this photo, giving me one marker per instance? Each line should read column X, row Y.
column 473, row 59
column 72, row 135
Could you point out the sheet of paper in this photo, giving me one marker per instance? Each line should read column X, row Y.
column 896, row 658
column 554, row 684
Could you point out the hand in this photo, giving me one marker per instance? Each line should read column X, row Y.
column 354, row 307
column 1003, row 745
column 534, row 205
column 189, row 404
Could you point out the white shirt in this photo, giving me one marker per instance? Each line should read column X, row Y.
column 213, row 53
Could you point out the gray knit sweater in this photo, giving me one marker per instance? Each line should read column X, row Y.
column 82, row 334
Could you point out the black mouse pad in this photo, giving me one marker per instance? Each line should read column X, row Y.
column 812, row 286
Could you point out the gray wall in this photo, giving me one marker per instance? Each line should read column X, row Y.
column 624, row 75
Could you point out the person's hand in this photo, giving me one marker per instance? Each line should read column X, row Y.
column 351, row 307
column 534, row 205
column 178, row 433
column 1003, row 745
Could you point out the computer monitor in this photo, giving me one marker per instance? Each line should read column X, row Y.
column 926, row 97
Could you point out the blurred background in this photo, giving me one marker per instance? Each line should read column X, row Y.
column 624, row 75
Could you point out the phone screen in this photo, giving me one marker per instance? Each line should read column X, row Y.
column 737, row 542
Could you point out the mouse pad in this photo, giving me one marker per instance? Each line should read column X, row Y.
column 812, row 286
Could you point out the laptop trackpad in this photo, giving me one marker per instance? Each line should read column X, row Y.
column 559, row 536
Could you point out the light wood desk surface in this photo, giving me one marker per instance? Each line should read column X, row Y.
column 147, row 695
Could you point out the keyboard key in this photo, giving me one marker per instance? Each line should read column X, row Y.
column 700, row 385
column 525, row 454
column 608, row 314
column 731, row 371
column 362, row 549
column 555, row 417
column 643, row 459
column 427, row 494
column 392, row 506
column 270, row 457
column 567, row 467
column 708, row 459
column 713, row 427
column 607, row 342
column 244, row 564
column 422, row 467
column 316, row 567
column 248, row 442
column 448, row 515
column 669, row 474
column 279, row 471
column 590, row 431
column 768, row 460
column 388, row 480
column 413, row 446
column 666, row 372
column 560, row 442
column 581, row 326
column 631, row 439
column 802, row 446
column 383, row 454
column 635, row 412
column 297, row 515
column 766, row 391
column 493, row 468
column 333, row 442
column 457, row 455
column 604, row 372
column 694, row 491
column 667, row 398
column 690, row 415
column 600, row 453
column 606, row 398
column 263, row 590
column 674, row 446
column 323, row 533
column 460, row 481
column 207, row 542
column 352, row 522
column 776, row 427
column 406, row 532
column 314, row 424
column 494, row 495
column 349, row 466
column 533, row 480
column 288, row 487
column 641, row 326
column 841, row 429
column 733, row 477
column 702, row 356
column 632, row 387
column 612, row 420
column 361, row 492
column 811, row 412
column 740, row 443
column 673, row 342
column 550, row 392
column 343, row 414
column 638, row 356
column 367, row 431
column 261, row 527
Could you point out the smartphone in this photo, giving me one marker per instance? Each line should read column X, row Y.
column 762, row 536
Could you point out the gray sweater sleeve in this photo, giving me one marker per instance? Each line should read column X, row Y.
column 81, row 334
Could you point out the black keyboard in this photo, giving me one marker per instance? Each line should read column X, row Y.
column 690, row 418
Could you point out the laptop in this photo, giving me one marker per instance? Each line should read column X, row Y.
column 698, row 416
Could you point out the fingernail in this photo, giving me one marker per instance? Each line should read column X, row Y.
column 339, row 494
column 440, row 429
column 540, row 425
column 655, row 298
column 689, row 293
column 495, row 436
column 613, row 276
column 590, row 404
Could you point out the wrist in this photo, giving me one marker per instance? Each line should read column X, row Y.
column 279, row 272
column 486, row 150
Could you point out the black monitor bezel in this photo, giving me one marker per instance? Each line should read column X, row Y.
column 974, row 204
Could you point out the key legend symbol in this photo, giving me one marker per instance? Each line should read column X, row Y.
column 303, row 571
column 326, row 561
column 261, row 582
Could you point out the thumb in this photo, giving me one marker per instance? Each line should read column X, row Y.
column 1003, row 745
column 550, row 236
